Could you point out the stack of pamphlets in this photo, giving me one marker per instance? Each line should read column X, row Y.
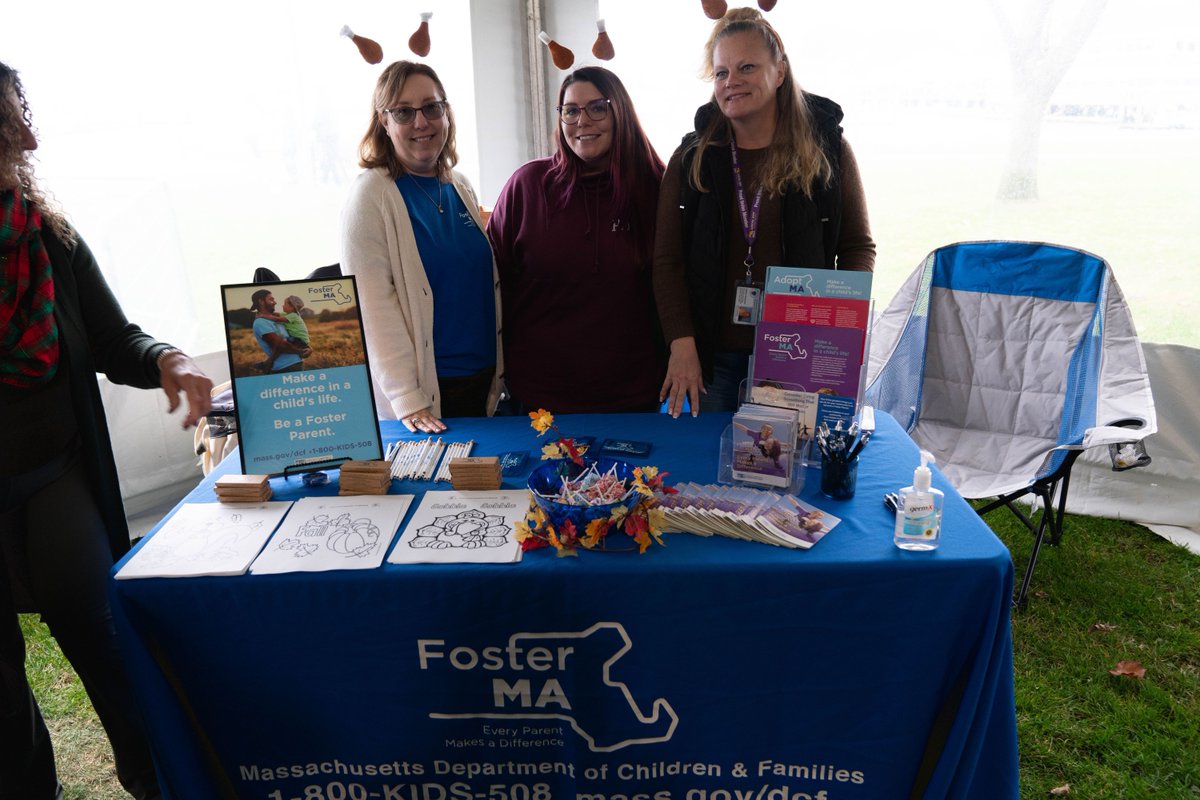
column 475, row 472
column 365, row 477
column 741, row 512
column 764, row 444
column 811, row 343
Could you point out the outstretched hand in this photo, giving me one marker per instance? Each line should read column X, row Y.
column 179, row 374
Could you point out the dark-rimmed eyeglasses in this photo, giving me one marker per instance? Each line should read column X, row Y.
column 596, row 111
column 402, row 115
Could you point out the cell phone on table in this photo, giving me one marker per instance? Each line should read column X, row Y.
column 666, row 404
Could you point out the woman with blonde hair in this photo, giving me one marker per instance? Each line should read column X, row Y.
column 765, row 179
column 413, row 237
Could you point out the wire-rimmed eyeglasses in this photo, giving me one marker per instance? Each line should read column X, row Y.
column 596, row 111
column 402, row 115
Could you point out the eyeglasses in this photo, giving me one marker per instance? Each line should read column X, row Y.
column 402, row 115
column 596, row 111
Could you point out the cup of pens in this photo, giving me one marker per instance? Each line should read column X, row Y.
column 839, row 459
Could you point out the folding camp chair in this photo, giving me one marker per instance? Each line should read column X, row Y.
column 1006, row 360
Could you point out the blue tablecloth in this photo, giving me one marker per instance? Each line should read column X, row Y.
column 710, row 669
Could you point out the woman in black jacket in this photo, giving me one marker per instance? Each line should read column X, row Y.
column 61, row 520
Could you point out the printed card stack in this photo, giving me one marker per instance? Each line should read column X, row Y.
column 365, row 477
column 243, row 488
column 739, row 512
column 475, row 472
column 764, row 444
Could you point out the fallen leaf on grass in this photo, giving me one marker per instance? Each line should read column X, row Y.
column 1061, row 791
column 1102, row 626
column 1133, row 669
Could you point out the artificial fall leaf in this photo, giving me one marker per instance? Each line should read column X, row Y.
column 1102, row 626
column 594, row 532
column 1133, row 669
column 658, row 521
column 521, row 531
column 541, row 420
column 551, row 451
column 569, row 536
column 1061, row 791
column 618, row 516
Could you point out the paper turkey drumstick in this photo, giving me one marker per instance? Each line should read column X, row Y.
column 419, row 41
column 766, row 5
column 603, row 48
column 561, row 56
column 714, row 9
column 369, row 49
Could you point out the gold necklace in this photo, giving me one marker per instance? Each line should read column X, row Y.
column 436, row 203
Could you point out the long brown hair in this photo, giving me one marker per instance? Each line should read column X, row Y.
column 16, row 165
column 375, row 149
column 633, row 166
column 794, row 155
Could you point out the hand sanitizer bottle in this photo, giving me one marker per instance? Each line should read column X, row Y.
column 919, row 517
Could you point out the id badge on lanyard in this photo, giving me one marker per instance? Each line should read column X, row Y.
column 747, row 300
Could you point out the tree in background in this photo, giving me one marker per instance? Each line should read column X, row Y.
column 1040, row 52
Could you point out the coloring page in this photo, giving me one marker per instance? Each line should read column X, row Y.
column 324, row 533
column 206, row 539
column 457, row 527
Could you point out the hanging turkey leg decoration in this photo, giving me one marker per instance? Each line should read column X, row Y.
column 603, row 48
column 369, row 49
column 766, row 5
column 714, row 9
column 419, row 41
column 561, row 56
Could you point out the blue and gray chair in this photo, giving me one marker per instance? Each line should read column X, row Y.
column 1006, row 360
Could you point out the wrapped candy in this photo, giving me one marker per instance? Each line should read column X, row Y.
column 714, row 9
column 603, row 48
column 419, row 41
column 562, row 57
column 369, row 49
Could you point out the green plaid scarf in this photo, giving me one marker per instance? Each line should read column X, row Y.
column 28, row 331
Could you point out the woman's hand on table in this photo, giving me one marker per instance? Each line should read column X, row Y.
column 684, row 380
column 423, row 421
column 179, row 375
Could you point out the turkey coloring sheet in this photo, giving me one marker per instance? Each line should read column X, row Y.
column 475, row 527
column 205, row 539
column 343, row 532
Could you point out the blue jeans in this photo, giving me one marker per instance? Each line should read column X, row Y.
column 727, row 390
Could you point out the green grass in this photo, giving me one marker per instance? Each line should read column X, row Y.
column 1108, row 737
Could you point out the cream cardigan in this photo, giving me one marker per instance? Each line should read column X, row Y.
column 380, row 250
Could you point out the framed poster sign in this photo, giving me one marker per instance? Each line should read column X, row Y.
column 301, row 382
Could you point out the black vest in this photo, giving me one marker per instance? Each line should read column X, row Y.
column 810, row 226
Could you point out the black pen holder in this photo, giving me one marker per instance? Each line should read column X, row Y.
column 838, row 477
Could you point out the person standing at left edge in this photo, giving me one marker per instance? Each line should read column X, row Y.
column 61, row 520
column 413, row 238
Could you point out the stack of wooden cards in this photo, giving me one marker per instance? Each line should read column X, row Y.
column 365, row 477
column 243, row 488
column 475, row 472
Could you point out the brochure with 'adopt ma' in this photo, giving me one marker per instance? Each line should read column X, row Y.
column 817, row 282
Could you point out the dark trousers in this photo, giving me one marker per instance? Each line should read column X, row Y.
column 727, row 390
column 466, row 395
column 53, row 530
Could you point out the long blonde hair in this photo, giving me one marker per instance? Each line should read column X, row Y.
column 375, row 149
column 795, row 155
column 15, row 162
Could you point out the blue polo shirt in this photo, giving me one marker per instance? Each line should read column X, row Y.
column 458, row 263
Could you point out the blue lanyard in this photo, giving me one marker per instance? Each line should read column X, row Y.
column 749, row 215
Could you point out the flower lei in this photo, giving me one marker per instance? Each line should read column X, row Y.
column 642, row 521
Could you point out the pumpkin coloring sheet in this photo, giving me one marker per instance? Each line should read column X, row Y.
column 324, row 533
column 205, row 539
column 476, row 527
